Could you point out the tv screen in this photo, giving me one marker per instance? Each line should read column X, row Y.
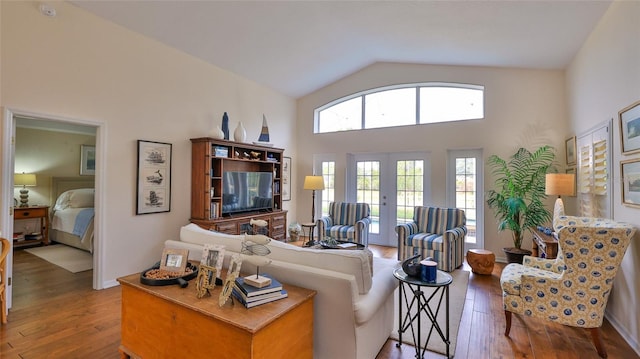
column 246, row 191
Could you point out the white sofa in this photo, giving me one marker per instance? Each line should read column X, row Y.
column 353, row 307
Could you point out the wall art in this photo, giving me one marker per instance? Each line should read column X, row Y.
column 154, row 177
column 630, row 128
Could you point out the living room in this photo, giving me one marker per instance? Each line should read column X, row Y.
column 80, row 67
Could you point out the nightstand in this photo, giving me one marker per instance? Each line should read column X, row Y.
column 34, row 212
column 544, row 245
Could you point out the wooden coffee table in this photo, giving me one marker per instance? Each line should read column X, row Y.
column 169, row 321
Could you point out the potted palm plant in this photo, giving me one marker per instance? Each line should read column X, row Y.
column 517, row 199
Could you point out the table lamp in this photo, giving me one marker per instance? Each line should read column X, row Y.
column 24, row 180
column 560, row 184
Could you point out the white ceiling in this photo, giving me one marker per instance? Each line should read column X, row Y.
column 297, row 47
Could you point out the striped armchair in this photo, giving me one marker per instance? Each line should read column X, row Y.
column 347, row 222
column 435, row 232
column 574, row 288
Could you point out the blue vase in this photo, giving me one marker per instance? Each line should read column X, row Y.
column 225, row 125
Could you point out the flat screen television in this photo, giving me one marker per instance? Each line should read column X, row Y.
column 246, row 191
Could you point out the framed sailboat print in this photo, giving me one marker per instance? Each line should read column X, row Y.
column 153, row 193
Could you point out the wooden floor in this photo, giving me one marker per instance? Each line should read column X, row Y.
column 56, row 314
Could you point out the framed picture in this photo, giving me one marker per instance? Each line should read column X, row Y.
column 286, row 179
column 87, row 160
column 630, row 177
column 213, row 256
column 630, row 128
column 174, row 260
column 570, row 150
column 154, row 177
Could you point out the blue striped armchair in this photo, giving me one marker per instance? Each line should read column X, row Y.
column 347, row 222
column 434, row 232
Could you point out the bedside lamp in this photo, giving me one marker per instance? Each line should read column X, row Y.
column 559, row 184
column 24, row 180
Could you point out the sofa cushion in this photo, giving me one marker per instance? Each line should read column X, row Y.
column 353, row 262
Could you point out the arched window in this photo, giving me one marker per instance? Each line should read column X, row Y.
column 401, row 105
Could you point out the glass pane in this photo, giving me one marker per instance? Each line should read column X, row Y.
column 441, row 104
column 409, row 177
column 368, row 190
column 328, row 173
column 390, row 108
column 344, row 116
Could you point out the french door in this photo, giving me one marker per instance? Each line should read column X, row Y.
column 392, row 184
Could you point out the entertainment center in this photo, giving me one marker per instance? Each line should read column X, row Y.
column 233, row 183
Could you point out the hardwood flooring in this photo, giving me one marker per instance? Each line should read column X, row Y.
column 56, row 314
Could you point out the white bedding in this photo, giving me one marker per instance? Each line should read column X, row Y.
column 64, row 220
column 64, row 217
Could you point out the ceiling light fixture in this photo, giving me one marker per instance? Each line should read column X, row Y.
column 47, row 10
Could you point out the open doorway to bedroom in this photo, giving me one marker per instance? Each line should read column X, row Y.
column 54, row 225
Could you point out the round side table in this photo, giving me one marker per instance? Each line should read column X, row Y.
column 310, row 227
column 481, row 261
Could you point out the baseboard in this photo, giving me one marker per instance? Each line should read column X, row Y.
column 623, row 332
column 110, row 283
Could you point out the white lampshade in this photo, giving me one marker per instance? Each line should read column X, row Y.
column 24, row 179
column 559, row 184
column 314, row 182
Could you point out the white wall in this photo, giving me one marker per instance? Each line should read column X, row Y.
column 79, row 66
column 603, row 79
column 522, row 108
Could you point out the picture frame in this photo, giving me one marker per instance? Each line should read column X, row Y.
column 213, row 256
column 87, row 160
column 232, row 273
column 153, row 194
column 570, row 151
column 630, row 178
column 174, row 260
column 286, row 178
column 630, row 128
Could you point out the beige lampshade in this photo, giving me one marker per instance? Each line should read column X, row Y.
column 560, row 184
column 314, row 182
column 24, row 179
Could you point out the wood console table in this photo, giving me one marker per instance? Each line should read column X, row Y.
column 170, row 322
column 544, row 245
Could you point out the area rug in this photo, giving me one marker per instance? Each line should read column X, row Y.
column 72, row 259
column 457, row 294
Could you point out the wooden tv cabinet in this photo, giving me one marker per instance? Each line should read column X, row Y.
column 171, row 322
column 210, row 160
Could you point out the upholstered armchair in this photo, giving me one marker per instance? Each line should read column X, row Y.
column 347, row 222
column 574, row 288
column 434, row 232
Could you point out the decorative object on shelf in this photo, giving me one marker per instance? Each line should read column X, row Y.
column 217, row 133
column 255, row 155
column 313, row 183
column 225, row 126
column 24, row 180
column 232, row 273
column 411, row 266
column 630, row 175
column 286, row 179
column 87, row 160
column 517, row 199
column 570, row 151
column 559, row 184
column 263, row 139
column 630, row 128
column 154, row 177
column 240, row 134
column 254, row 250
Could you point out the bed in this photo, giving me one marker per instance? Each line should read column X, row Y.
column 73, row 212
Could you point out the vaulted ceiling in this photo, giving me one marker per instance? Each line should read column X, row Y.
column 297, row 47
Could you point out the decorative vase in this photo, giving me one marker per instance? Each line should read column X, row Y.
column 217, row 133
column 240, row 134
column 225, row 126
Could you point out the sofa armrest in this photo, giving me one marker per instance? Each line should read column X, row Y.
column 361, row 234
column 322, row 224
column 551, row 265
column 404, row 231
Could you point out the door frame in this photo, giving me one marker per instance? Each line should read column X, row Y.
column 6, row 185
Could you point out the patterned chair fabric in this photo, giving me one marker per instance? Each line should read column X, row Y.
column 347, row 222
column 574, row 288
column 434, row 232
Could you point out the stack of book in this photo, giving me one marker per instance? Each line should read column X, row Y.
column 251, row 296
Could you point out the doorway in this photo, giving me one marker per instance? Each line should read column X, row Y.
column 393, row 184
column 9, row 139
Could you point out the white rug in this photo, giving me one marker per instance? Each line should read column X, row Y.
column 72, row 259
column 457, row 294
